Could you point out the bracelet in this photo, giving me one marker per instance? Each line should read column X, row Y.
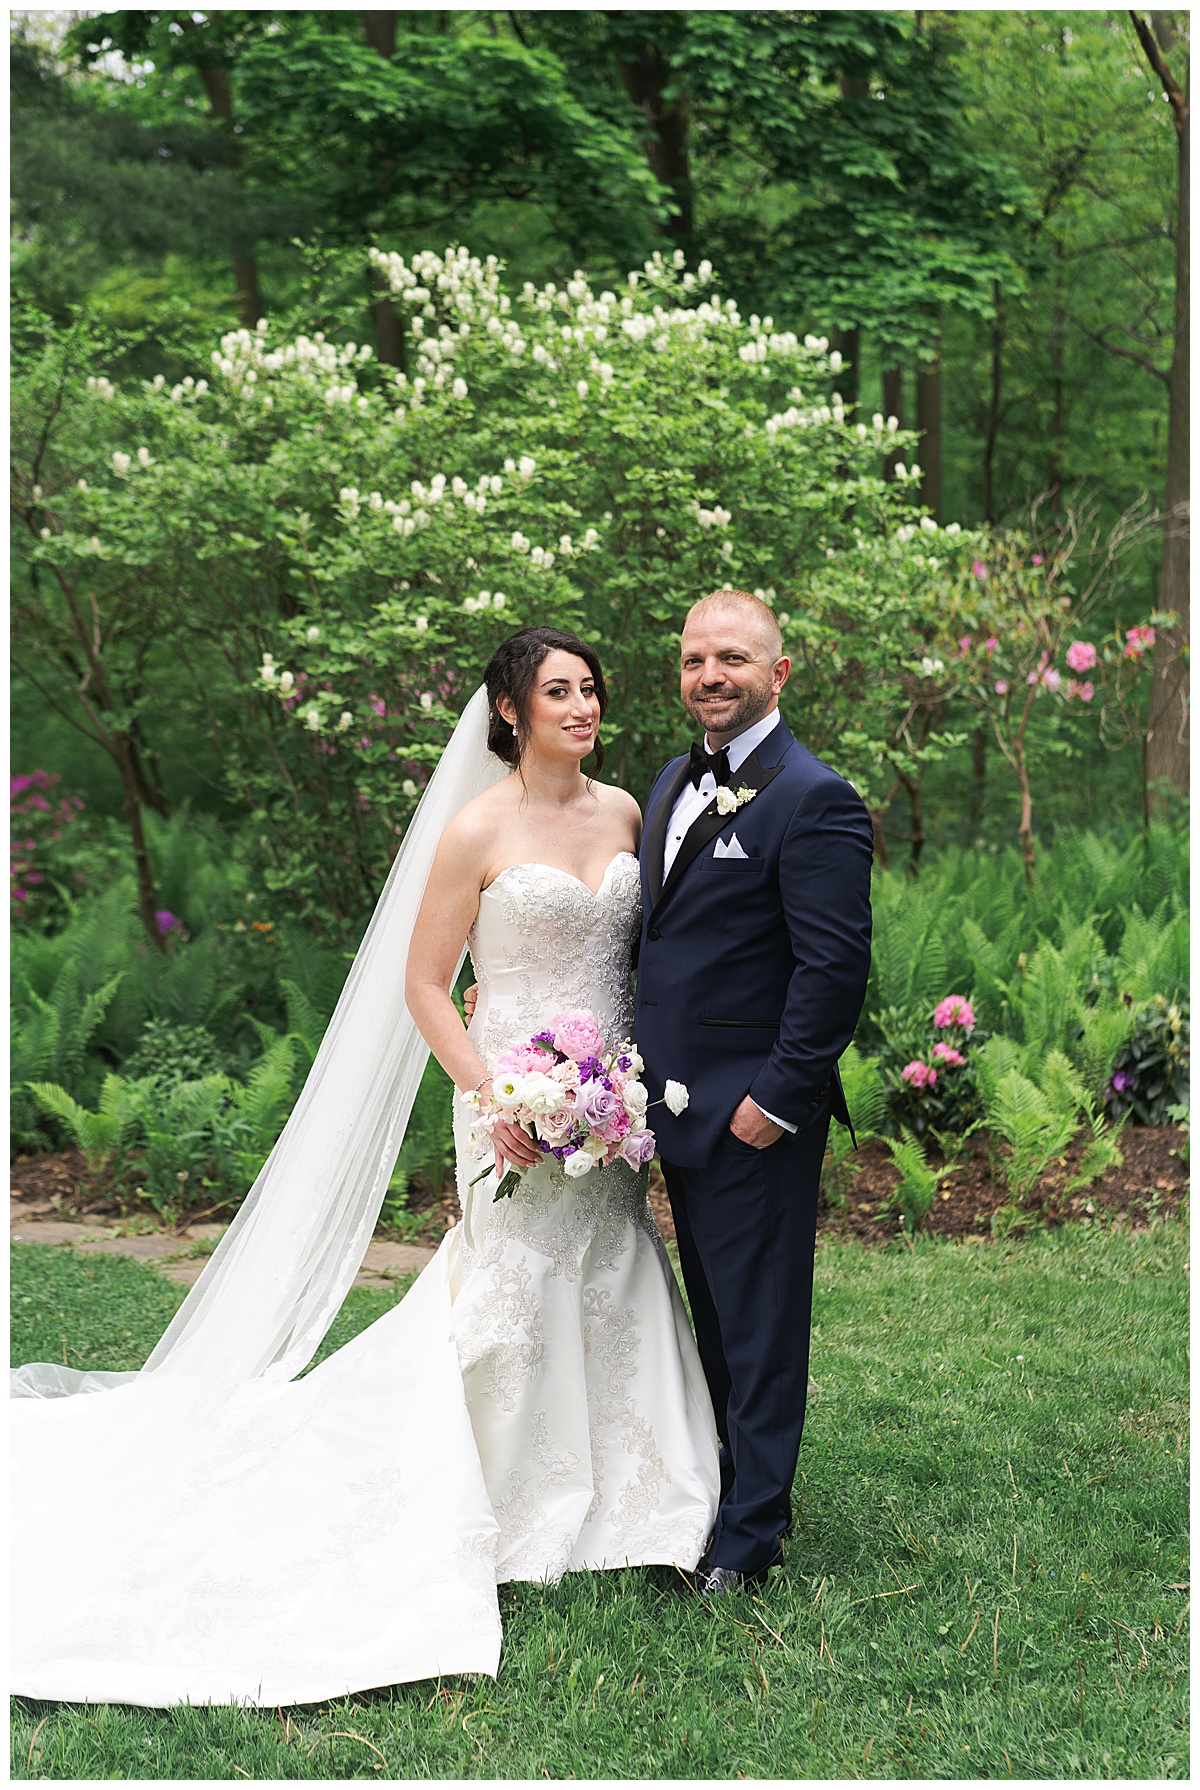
column 479, row 1084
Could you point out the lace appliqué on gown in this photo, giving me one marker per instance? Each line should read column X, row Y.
column 580, row 1384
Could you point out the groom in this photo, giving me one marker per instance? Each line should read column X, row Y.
column 755, row 949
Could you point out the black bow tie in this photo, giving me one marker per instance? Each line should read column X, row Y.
column 702, row 762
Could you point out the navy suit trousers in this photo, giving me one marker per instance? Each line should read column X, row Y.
column 746, row 1226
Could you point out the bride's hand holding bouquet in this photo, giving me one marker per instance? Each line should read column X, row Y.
column 563, row 1095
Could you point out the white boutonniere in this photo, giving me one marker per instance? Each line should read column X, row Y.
column 729, row 801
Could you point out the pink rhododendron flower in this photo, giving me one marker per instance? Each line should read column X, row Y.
column 919, row 1075
column 989, row 646
column 1137, row 640
column 946, row 1053
column 1037, row 559
column 964, row 645
column 1084, row 691
column 1081, row 655
column 576, row 1035
column 955, row 1010
column 1051, row 678
column 1001, row 687
column 979, row 570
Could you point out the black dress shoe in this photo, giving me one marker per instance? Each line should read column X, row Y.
column 719, row 1581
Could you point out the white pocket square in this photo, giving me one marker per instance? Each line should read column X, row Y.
column 728, row 848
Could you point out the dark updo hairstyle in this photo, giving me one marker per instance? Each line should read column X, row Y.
column 512, row 672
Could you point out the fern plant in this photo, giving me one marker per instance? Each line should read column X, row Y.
column 260, row 1105
column 1034, row 1130
column 98, row 1134
column 49, row 1042
column 866, row 1098
column 914, row 1196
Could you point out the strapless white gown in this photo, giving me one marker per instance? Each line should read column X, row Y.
column 534, row 1405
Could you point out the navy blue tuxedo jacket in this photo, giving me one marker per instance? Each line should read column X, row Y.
column 752, row 971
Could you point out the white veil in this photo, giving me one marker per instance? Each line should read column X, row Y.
column 278, row 1277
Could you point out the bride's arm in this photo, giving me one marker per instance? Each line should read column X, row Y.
column 448, row 909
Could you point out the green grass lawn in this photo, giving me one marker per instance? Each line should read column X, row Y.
column 987, row 1577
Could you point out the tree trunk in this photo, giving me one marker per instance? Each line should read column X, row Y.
column 929, row 422
column 978, row 775
column 245, row 266
column 1167, row 733
column 993, row 412
column 379, row 29
column 666, row 142
column 893, row 405
column 125, row 758
column 881, row 850
column 1025, row 829
column 1057, row 383
column 848, row 343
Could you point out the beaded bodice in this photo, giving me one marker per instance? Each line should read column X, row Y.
column 542, row 943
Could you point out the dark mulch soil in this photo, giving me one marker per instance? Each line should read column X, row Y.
column 1152, row 1179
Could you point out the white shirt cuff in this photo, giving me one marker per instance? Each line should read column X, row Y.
column 783, row 1124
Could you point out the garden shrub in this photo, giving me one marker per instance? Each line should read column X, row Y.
column 1150, row 1074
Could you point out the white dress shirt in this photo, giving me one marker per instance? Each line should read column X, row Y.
column 691, row 803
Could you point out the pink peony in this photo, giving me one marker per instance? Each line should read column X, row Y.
column 946, row 1053
column 522, row 1059
column 955, row 1010
column 1081, row 655
column 576, row 1035
column 919, row 1075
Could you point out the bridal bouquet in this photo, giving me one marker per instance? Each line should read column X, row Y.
column 580, row 1103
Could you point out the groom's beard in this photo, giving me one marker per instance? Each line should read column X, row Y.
column 745, row 708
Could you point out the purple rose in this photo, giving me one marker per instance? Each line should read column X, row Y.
column 596, row 1104
column 637, row 1148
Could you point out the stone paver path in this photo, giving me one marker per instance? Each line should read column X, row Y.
column 383, row 1263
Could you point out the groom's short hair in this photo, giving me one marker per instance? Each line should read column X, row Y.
column 749, row 604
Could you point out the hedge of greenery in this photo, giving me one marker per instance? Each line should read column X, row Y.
column 1031, row 1009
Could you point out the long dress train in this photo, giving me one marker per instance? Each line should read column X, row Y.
column 534, row 1405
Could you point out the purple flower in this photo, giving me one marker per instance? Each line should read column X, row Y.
column 590, row 1068
column 545, row 1039
column 623, row 1064
column 596, row 1104
column 165, row 920
column 1121, row 1080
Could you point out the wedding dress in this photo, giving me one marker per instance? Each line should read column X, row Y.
column 534, row 1405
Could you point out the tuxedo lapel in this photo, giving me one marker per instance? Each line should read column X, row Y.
column 707, row 825
column 654, row 844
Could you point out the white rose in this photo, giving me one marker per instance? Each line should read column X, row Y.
column 542, row 1096
column 635, row 1098
column 636, row 1064
column 577, row 1163
column 675, row 1097
column 726, row 801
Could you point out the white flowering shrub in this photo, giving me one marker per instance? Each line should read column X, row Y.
column 345, row 545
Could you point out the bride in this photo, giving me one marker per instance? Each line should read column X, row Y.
column 535, row 1404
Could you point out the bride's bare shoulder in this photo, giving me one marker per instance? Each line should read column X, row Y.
column 619, row 804
column 474, row 830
